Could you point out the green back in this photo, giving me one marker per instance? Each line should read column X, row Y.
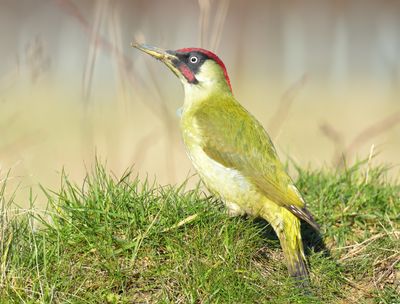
column 231, row 136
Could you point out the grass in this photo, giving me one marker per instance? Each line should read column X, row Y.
column 120, row 240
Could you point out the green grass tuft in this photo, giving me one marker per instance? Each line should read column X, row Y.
column 120, row 240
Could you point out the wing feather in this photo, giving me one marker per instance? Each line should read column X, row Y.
column 234, row 138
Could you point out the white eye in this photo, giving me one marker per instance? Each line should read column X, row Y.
column 194, row 59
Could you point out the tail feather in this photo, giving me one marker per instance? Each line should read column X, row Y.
column 304, row 214
column 292, row 246
column 297, row 265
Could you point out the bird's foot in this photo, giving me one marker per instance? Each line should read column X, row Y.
column 234, row 209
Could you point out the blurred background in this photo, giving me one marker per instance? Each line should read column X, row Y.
column 322, row 76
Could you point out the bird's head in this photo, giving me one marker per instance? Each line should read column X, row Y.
column 200, row 71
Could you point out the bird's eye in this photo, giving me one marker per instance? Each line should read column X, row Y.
column 194, row 59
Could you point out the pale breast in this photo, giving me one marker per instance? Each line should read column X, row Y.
column 227, row 183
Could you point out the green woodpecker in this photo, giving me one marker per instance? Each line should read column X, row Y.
column 232, row 152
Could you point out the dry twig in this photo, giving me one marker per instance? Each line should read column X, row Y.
column 343, row 153
column 282, row 112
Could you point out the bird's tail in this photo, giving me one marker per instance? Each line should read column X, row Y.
column 292, row 245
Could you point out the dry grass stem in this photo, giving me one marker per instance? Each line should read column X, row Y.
column 70, row 8
column 375, row 129
column 359, row 247
column 185, row 221
column 357, row 286
column 279, row 117
column 121, row 77
column 204, row 21
column 219, row 22
column 100, row 11
column 389, row 270
column 371, row 154
column 342, row 153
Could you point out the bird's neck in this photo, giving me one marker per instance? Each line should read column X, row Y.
column 196, row 94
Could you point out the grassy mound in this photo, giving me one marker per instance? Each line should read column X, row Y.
column 120, row 240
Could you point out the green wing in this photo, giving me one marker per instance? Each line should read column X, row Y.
column 234, row 138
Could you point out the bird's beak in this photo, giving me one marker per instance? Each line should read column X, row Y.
column 165, row 56
column 156, row 52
